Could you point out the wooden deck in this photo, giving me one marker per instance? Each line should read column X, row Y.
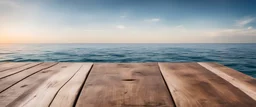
column 124, row 85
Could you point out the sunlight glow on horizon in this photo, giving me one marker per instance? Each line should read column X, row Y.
column 52, row 21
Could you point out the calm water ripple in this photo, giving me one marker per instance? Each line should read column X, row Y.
column 241, row 57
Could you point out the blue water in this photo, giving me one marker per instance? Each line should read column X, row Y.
column 241, row 57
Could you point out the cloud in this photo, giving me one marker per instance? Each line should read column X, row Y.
column 234, row 32
column 93, row 30
column 153, row 20
column 10, row 3
column 180, row 27
column 245, row 21
column 123, row 16
column 120, row 27
column 242, row 30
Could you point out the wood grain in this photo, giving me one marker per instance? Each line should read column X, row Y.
column 24, row 87
column 191, row 85
column 68, row 93
column 12, row 65
column 6, row 83
column 44, row 94
column 17, row 70
column 3, row 63
column 125, row 85
column 244, row 82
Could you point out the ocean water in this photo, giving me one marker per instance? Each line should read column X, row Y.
column 241, row 57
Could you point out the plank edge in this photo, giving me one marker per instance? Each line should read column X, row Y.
column 235, row 82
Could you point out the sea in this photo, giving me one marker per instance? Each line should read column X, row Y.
column 241, row 57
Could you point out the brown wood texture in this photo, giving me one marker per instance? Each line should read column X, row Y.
column 6, row 83
column 3, row 63
column 45, row 93
column 24, row 87
column 244, row 82
column 8, row 66
column 67, row 95
column 30, row 84
column 125, row 85
column 191, row 85
column 17, row 70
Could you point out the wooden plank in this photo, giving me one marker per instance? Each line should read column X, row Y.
column 245, row 83
column 12, row 65
column 27, row 85
column 17, row 70
column 6, row 83
column 191, row 85
column 125, row 85
column 44, row 94
column 68, row 93
column 3, row 63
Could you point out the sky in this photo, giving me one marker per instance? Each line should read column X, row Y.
column 127, row 21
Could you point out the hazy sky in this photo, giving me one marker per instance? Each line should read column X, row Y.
column 127, row 21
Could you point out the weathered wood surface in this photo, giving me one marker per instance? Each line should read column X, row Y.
column 3, row 63
column 17, row 70
column 8, row 66
column 43, row 95
column 24, row 87
column 243, row 82
column 125, row 85
column 8, row 82
column 191, row 85
column 29, row 84
column 67, row 95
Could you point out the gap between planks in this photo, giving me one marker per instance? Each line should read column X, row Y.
column 193, row 85
column 22, row 88
column 8, row 82
column 174, row 104
column 68, row 94
column 17, row 70
column 232, row 80
column 124, row 85
column 9, row 66
column 58, row 96
column 44, row 95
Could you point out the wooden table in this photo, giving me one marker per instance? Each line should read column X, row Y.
column 43, row 84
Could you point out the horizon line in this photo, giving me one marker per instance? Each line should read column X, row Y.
column 145, row 43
